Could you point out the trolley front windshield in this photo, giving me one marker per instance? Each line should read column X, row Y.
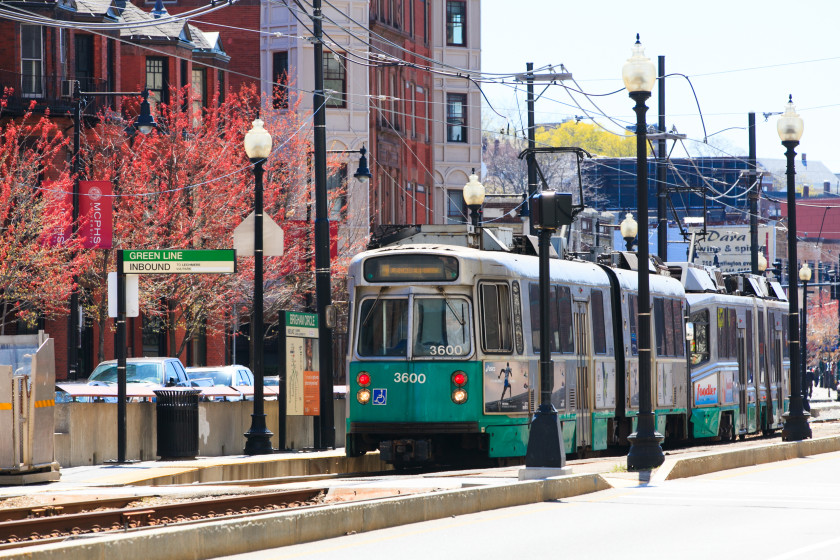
column 440, row 327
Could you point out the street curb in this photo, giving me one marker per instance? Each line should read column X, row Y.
column 705, row 464
column 225, row 538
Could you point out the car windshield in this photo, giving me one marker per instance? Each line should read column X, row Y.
column 150, row 372
column 219, row 377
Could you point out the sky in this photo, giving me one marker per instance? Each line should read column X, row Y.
column 741, row 56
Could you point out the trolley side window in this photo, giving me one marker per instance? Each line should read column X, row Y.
column 633, row 312
column 441, row 327
column 700, row 344
column 495, row 317
column 559, row 318
column 679, row 335
column 383, row 327
column 727, row 325
column 599, row 334
column 563, row 297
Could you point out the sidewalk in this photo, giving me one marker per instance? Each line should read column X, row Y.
column 824, row 405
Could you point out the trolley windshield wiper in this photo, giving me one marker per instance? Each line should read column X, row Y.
column 372, row 307
column 449, row 304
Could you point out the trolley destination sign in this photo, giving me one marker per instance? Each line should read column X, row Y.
column 179, row 261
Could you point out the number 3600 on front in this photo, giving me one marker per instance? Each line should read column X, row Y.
column 409, row 378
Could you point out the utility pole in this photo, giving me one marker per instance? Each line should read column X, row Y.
column 325, row 423
column 661, row 190
column 529, row 78
column 753, row 196
column 532, row 141
column 74, row 321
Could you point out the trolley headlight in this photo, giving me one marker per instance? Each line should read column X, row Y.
column 459, row 378
column 363, row 379
column 363, row 396
column 459, row 396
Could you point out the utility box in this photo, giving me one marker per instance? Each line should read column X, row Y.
column 27, row 409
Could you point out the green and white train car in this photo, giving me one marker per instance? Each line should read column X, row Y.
column 443, row 354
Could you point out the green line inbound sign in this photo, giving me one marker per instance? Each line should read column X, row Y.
column 179, row 261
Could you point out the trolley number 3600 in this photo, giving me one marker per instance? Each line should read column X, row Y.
column 409, row 378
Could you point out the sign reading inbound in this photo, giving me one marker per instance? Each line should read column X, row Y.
column 179, row 261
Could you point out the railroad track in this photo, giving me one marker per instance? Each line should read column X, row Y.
column 38, row 525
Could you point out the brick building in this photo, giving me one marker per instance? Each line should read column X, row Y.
column 38, row 64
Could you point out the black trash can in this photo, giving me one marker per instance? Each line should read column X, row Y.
column 177, row 423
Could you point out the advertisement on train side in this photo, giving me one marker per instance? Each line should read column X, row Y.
column 706, row 391
column 506, row 387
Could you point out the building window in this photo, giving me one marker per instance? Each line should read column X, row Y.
column 337, row 193
column 156, row 80
column 221, row 86
column 280, row 77
column 456, row 23
column 199, row 91
column 456, row 117
column 335, row 79
column 32, row 60
column 455, row 207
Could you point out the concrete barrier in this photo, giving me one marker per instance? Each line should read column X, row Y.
column 236, row 536
column 714, row 462
column 86, row 433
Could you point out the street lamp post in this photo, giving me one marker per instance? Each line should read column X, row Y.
column 629, row 229
column 144, row 123
column 796, row 428
column 805, row 276
column 762, row 263
column 258, row 147
column 639, row 75
column 474, row 197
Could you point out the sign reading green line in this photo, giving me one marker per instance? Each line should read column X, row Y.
column 179, row 261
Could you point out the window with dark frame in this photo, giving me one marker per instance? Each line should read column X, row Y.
column 280, row 77
column 633, row 312
column 560, row 318
column 679, row 335
column 700, row 345
column 337, row 193
column 32, row 60
column 599, row 333
column 456, row 117
column 156, row 80
column 496, row 318
column 456, row 23
column 199, row 90
column 335, row 79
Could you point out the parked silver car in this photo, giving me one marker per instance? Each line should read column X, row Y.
column 221, row 376
column 164, row 372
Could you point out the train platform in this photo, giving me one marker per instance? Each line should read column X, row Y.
column 359, row 494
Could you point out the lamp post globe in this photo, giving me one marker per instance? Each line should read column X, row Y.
column 629, row 230
column 474, row 194
column 258, row 437
column 796, row 427
column 805, row 273
column 762, row 263
column 639, row 75
column 257, row 141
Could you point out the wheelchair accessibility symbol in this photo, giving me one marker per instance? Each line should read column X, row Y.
column 380, row 396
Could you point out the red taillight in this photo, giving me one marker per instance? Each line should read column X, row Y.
column 459, row 378
column 363, row 379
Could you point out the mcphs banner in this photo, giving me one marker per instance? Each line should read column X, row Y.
column 96, row 215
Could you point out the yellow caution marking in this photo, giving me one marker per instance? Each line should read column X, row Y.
column 5, row 406
column 45, row 403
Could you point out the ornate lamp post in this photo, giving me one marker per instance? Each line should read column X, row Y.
column 805, row 276
column 258, row 147
column 790, row 127
column 629, row 229
column 639, row 75
column 474, row 197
